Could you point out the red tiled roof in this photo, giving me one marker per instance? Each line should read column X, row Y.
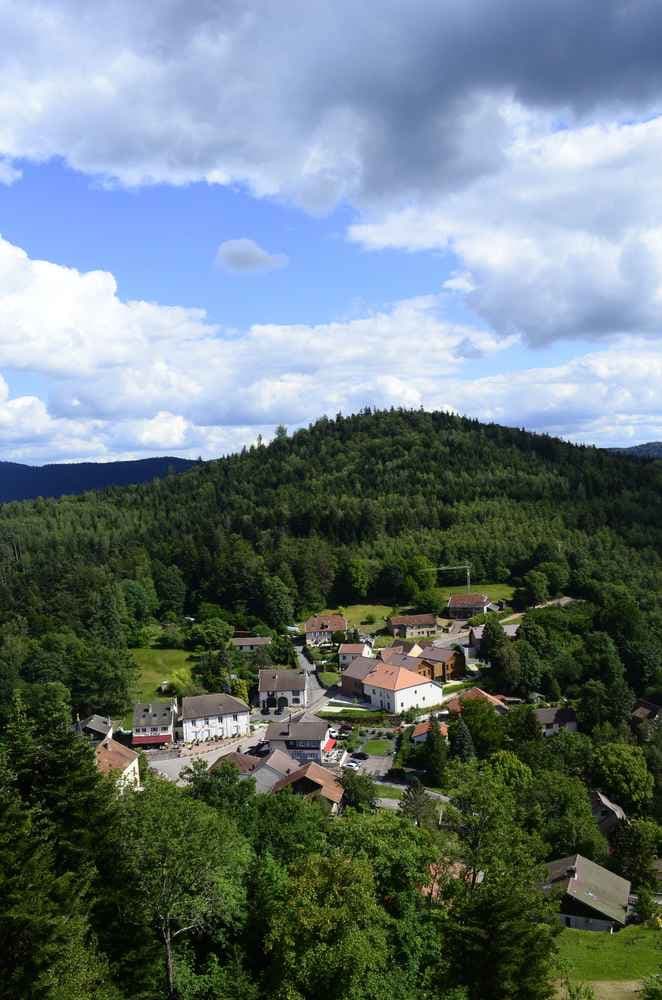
column 428, row 619
column 423, row 728
column 472, row 694
column 393, row 678
column 329, row 787
column 351, row 647
column 113, row 756
column 468, row 600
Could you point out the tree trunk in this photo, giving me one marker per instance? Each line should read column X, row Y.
column 170, row 965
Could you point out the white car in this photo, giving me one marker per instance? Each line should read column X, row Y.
column 334, row 734
column 352, row 765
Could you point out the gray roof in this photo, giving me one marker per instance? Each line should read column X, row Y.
column 600, row 801
column 590, row 884
column 281, row 680
column 560, row 716
column 360, row 667
column 96, row 723
column 152, row 713
column 301, row 729
column 437, row 654
column 251, row 640
column 201, row 706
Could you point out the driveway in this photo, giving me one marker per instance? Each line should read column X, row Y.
column 377, row 766
column 172, row 767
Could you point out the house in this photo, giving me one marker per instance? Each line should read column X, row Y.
column 314, row 782
column 94, row 728
column 250, row 643
column 467, row 605
column 320, row 628
column 265, row 770
column 397, row 689
column 510, row 630
column 154, row 723
column 419, row 733
column 214, row 716
column 441, row 664
column 348, row 651
column 114, row 758
column 454, row 704
column 645, row 711
column 412, row 626
column 280, row 688
column 302, row 738
column 351, row 681
column 553, row 720
column 607, row 814
column 592, row 898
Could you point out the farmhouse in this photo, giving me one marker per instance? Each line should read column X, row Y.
column 552, row 720
column 467, row 605
column 315, row 782
column 319, row 629
column 114, row 758
column 348, row 651
column 592, row 898
column 351, row 682
column 412, row 626
column 154, row 723
column 214, row 716
column 250, row 643
column 280, row 688
column 396, row 689
column 303, row 739
column 94, row 728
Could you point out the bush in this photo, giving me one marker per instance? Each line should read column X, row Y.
column 652, row 987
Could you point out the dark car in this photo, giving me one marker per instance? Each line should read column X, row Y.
column 360, row 755
column 259, row 750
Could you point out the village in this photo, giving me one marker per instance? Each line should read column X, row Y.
column 403, row 691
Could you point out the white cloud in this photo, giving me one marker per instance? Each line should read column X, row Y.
column 244, row 256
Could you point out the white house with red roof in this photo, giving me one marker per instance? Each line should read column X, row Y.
column 396, row 689
column 319, row 629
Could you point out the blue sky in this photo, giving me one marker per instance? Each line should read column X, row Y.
column 211, row 223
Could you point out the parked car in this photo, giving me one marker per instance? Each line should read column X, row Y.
column 360, row 755
column 352, row 765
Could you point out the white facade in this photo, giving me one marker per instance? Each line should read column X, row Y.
column 345, row 659
column 423, row 695
column 283, row 699
column 130, row 777
column 218, row 727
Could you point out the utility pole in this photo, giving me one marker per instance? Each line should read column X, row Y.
column 464, row 566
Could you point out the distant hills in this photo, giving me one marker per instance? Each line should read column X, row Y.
column 653, row 449
column 27, row 482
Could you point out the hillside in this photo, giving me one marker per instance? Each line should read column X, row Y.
column 26, row 482
column 652, row 449
column 352, row 508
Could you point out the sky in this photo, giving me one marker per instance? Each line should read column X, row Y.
column 217, row 216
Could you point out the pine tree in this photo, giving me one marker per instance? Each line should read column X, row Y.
column 417, row 805
column 461, row 743
column 435, row 754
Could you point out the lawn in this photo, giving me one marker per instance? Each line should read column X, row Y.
column 328, row 678
column 495, row 591
column 630, row 954
column 356, row 615
column 377, row 748
column 156, row 665
column 388, row 791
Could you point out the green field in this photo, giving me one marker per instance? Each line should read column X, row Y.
column 328, row 678
column 495, row 591
column 593, row 956
column 156, row 665
column 388, row 792
column 377, row 748
column 357, row 613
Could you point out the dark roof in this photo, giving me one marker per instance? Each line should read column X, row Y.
column 250, row 640
column 299, row 729
column 591, row 885
column 437, row 654
column 321, row 782
column 152, row 713
column 203, row 705
column 468, row 600
column 281, row 680
column 113, row 756
column 427, row 619
column 95, row 723
column 558, row 716
column 644, row 710
column 360, row 668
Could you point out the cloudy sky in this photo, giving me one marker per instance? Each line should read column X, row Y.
column 221, row 215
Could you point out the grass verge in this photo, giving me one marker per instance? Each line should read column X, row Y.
column 632, row 953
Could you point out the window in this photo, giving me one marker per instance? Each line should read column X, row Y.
column 234, row 718
column 155, row 729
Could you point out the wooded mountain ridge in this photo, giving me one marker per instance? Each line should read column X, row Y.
column 27, row 482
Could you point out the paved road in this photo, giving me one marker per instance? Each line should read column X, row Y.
column 172, row 767
column 316, row 693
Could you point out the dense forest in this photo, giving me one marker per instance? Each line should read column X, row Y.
column 26, row 482
column 212, row 891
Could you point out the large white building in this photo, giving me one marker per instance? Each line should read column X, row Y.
column 396, row 689
column 214, row 716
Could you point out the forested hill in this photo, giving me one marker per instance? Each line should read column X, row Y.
column 652, row 449
column 353, row 508
column 26, row 482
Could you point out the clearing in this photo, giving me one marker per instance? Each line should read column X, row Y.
column 356, row 615
column 495, row 591
column 594, row 956
column 155, row 666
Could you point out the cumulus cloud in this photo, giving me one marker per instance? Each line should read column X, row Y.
column 244, row 256
column 132, row 378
